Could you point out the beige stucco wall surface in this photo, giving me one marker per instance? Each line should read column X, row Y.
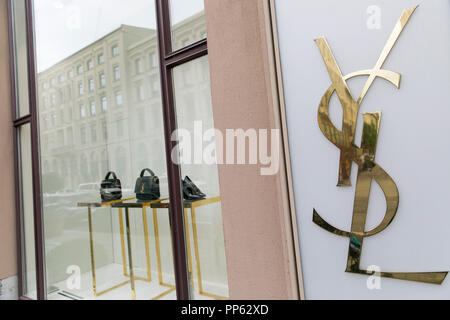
column 258, row 240
column 7, row 209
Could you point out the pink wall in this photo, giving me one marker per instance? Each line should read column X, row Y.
column 7, row 211
column 260, row 258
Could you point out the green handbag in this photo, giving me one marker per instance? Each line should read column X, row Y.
column 147, row 187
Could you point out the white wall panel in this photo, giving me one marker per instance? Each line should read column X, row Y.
column 413, row 142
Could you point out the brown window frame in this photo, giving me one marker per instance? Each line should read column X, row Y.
column 18, row 122
column 168, row 60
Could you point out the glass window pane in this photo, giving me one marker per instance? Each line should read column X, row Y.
column 87, row 250
column 204, row 230
column 20, row 57
column 27, row 212
column 188, row 22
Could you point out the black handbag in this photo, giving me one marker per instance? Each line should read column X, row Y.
column 147, row 187
column 190, row 191
column 111, row 189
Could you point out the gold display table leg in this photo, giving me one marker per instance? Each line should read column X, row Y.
column 147, row 249
column 196, row 247
column 122, row 244
column 130, row 255
column 91, row 243
column 188, row 247
column 158, row 259
column 147, row 246
column 131, row 274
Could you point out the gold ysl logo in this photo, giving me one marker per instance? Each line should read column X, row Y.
column 363, row 156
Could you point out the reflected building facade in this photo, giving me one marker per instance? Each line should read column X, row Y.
column 100, row 108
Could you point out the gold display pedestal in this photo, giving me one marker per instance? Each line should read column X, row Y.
column 144, row 205
column 192, row 205
column 131, row 203
column 120, row 204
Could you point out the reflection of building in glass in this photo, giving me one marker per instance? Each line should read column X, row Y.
column 100, row 108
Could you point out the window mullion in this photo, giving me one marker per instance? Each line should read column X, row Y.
column 38, row 221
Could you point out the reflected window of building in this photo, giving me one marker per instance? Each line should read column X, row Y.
column 116, row 72
column 52, row 82
column 61, row 78
column 104, row 104
column 93, row 109
column 101, row 59
column 70, row 74
column 80, row 88
column 82, row 111
column 102, row 80
column 80, row 69
column 91, row 85
column 90, row 64
column 115, row 50
column 118, row 95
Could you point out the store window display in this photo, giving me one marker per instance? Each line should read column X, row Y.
column 105, row 191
